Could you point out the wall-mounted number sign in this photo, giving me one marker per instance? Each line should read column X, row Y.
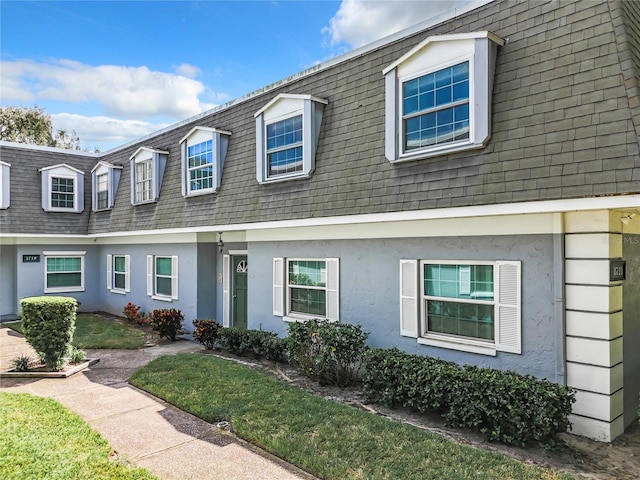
column 30, row 258
column 617, row 270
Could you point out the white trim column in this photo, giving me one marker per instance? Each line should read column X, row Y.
column 594, row 323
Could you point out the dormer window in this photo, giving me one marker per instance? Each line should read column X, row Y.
column 5, row 196
column 438, row 96
column 287, row 132
column 104, row 178
column 62, row 189
column 147, row 170
column 203, row 152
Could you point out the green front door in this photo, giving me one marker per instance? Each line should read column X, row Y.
column 240, row 270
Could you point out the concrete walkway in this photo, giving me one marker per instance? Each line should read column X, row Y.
column 143, row 429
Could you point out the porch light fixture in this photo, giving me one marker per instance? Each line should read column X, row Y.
column 220, row 242
column 627, row 218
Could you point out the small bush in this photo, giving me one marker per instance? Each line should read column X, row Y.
column 503, row 406
column 167, row 322
column 328, row 352
column 49, row 323
column 234, row 339
column 206, row 332
column 21, row 363
column 134, row 314
column 258, row 343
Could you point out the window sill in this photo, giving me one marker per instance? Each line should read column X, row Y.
column 460, row 345
column 199, row 193
column 119, row 292
column 434, row 152
column 162, row 298
column 62, row 210
column 288, row 178
column 145, row 203
column 63, row 289
column 300, row 318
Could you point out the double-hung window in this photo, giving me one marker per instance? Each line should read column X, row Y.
column 471, row 306
column 435, row 108
column 102, row 191
column 105, row 178
column 203, row 152
column 438, row 96
column 64, row 271
column 287, row 133
column 147, row 170
column 62, row 192
column 118, row 273
column 162, row 277
column 62, row 189
column 284, row 146
column 305, row 288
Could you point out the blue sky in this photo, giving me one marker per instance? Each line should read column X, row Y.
column 115, row 71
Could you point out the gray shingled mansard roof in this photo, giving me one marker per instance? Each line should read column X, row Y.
column 566, row 124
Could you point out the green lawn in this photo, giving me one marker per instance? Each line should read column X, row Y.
column 42, row 439
column 325, row 438
column 96, row 331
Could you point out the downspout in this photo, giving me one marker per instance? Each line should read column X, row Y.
column 559, row 297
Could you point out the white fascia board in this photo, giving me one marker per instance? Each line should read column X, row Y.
column 61, row 165
column 102, row 163
column 290, row 96
column 444, row 38
column 208, row 129
column 5, row 163
column 543, row 207
column 25, row 146
column 148, row 149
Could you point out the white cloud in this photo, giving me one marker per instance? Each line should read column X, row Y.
column 359, row 22
column 189, row 71
column 103, row 132
column 126, row 92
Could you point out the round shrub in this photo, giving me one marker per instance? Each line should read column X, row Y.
column 48, row 324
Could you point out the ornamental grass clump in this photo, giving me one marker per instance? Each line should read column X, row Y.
column 167, row 322
column 328, row 352
column 48, row 324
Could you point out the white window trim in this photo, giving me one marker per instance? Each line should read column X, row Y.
column 58, row 254
column 150, row 180
column 157, row 159
column 480, row 50
column 311, row 108
column 113, row 177
column 75, row 193
column 111, row 274
column 152, row 277
column 220, row 139
column 282, row 296
column 507, row 336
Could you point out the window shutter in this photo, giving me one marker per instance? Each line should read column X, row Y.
column 109, row 272
column 78, row 200
column 226, row 273
column 278, row 287
column 127, row 275
column 333, row 291
column 409, row 298
column 174, row 277
column 508, row 312
column 391, row 116
column 150, row 275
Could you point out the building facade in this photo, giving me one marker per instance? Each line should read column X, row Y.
column 468, row 190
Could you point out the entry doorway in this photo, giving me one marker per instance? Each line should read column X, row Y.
column 239, row 273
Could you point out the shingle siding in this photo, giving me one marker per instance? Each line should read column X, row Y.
column 562, row 128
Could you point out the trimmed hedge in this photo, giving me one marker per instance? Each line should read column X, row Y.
column 206, row 332
column 48, row 324
column 258, row 343
column 167, row 322
column 504, row 406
